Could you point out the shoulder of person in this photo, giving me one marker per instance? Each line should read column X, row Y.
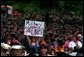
column 72, row 42
column 79, row 41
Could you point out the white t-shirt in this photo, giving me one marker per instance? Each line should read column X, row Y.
column 79, row 44
column 72, row 45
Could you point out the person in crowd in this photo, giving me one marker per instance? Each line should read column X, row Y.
column 60, row 46
column 43, row 50
column 66, row 43
column 75, row 44
column 52, row 53
column 33, row 44
column 80, row 36
column 12, row 31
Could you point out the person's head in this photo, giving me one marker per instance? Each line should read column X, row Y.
column 70, row 38
column 75, row 38
column 60, row 41
column 43, row 50
column 33, row 39
column 80, row 36
column 52, row 52
column 17, row 50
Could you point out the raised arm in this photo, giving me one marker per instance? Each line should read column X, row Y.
column 28, row 40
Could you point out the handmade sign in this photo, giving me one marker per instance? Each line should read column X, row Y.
column 34, row 28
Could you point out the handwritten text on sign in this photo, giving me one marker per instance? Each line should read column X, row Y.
column 34, row 28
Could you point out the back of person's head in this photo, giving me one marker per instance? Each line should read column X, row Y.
column 42, row 42
column 60, row 42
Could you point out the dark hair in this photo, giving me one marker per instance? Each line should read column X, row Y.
column 13, row 35
column 60, row 41
column 43, row 46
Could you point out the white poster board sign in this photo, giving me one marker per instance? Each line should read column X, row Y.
column 34, row 28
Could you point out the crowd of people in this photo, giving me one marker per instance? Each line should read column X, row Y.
column 63, row 34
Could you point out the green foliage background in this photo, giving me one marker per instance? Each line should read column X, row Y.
column 47, row 6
